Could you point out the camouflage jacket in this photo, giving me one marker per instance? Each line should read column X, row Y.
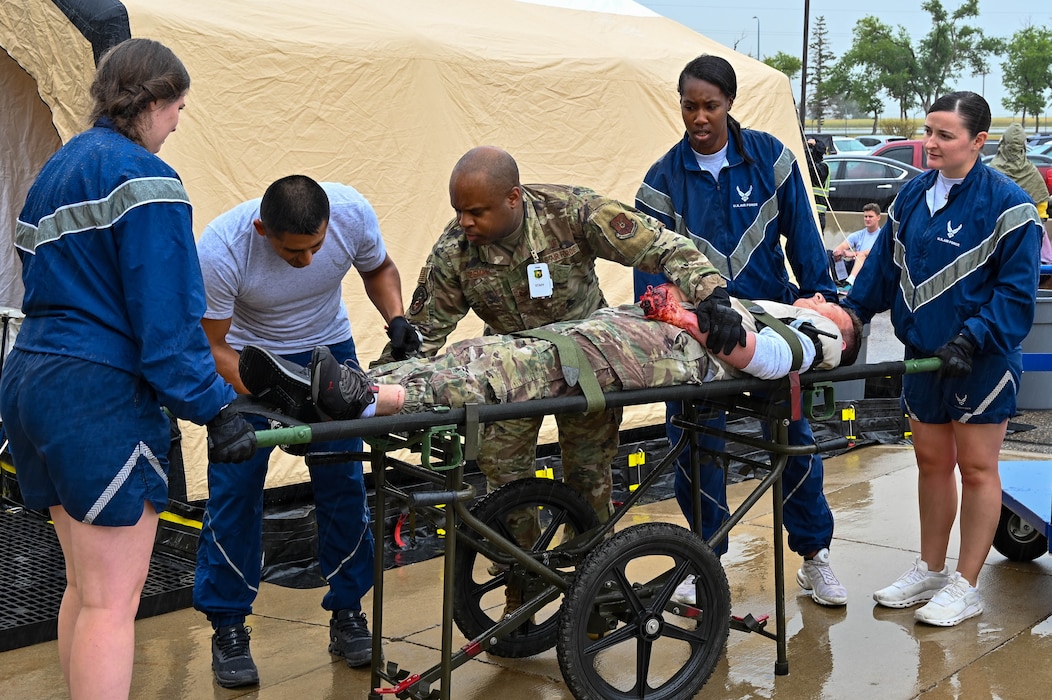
column 566, row 228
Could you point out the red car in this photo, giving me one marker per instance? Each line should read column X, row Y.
column 912, row 153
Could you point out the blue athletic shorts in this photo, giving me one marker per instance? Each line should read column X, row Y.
column 87, row 436
column 986, row 395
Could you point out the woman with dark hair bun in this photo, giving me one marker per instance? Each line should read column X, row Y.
column 112, row 332
column 957, row 263
column 737, row 193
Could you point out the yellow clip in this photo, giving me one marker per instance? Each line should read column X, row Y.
column 546, row 473
column 848, row 413
column 637, row 459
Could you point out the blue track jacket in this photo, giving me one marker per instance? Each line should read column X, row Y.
column 970, row 268
column 738, row 221
column 111, row 272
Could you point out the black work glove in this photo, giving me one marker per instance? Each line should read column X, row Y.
column 956, row 357
column 721, row 322
column 230, row 437
column 405, row 339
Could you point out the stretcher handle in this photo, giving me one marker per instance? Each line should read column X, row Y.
column 923, row 364
column 292, row 435
column 437, row 498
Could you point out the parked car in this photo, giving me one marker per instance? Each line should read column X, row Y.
column 908, row 151
column 1043, row 163
column 1044, row 149
column 836, row 145
column 873, row 140
column 856, row 180
column 1039, row 139
column 911, row 152
column 848, row 146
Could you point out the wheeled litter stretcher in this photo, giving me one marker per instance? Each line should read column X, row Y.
column 601, row 598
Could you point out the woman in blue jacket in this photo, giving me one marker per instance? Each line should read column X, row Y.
column 736, row 193
column 112, row 331
column 957, row 263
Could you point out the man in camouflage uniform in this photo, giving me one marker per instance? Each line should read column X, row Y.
column 624, row 350
column 522, row 256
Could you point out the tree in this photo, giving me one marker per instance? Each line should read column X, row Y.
column 917, row 75
column 948, row 49
column 880, row 58
column 821, row 60
column 786, row 63
column 859, row 88
column 1028, row 71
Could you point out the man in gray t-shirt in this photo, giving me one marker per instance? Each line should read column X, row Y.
column 855, row 247
column 273, row 270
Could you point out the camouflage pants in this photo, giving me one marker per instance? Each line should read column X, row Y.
column 588, row 443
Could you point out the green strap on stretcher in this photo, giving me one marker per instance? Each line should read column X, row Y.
column 576, row 368
column 781, row 329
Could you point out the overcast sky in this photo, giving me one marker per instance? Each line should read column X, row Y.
column 781, row 29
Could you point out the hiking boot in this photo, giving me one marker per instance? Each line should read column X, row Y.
column 513, row 601
column 276, row 381
column 232, row 661
column 686, row 592
column 349, row 638
column 953, row 603
column 340, row 392
column 917, row 585
column 817, row 578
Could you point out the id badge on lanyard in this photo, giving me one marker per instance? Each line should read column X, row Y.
column 540, row 280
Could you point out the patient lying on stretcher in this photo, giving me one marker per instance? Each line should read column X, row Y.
column 653, row 344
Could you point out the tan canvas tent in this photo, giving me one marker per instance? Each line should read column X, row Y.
column 383, row 96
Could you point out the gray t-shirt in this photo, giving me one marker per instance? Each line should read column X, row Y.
column 861, row 241
column 272, row 304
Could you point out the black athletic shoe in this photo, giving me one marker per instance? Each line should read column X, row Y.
column 349, row 638
column 340, row 392
column 232, row 661
column 277, row 382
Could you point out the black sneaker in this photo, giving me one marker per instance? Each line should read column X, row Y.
column 276, row 381
column 340, row 392
column 349, row 638
column 232, row 661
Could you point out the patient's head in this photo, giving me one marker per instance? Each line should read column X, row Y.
column 846, row 321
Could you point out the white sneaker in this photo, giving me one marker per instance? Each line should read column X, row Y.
column 954, row 603
column 686, row 592
column 817, row 578
column 915, row 586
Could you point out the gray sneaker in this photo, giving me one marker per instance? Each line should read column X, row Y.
column 686, row 592
column 955, row 602
column 917, row 585
column 817, row 578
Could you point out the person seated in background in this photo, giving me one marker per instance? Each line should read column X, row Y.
column 656, row 343
column 854, row 249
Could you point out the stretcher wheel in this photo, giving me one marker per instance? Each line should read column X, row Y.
column 617, row 638
column 1016, row 539
column 480, row 593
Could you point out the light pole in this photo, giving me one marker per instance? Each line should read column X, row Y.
column 758, row 56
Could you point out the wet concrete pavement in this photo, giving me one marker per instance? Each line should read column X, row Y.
column 858, row 651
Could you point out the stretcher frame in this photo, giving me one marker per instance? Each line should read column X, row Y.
column 434, row 433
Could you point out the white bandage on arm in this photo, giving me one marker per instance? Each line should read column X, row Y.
column 773, row 357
